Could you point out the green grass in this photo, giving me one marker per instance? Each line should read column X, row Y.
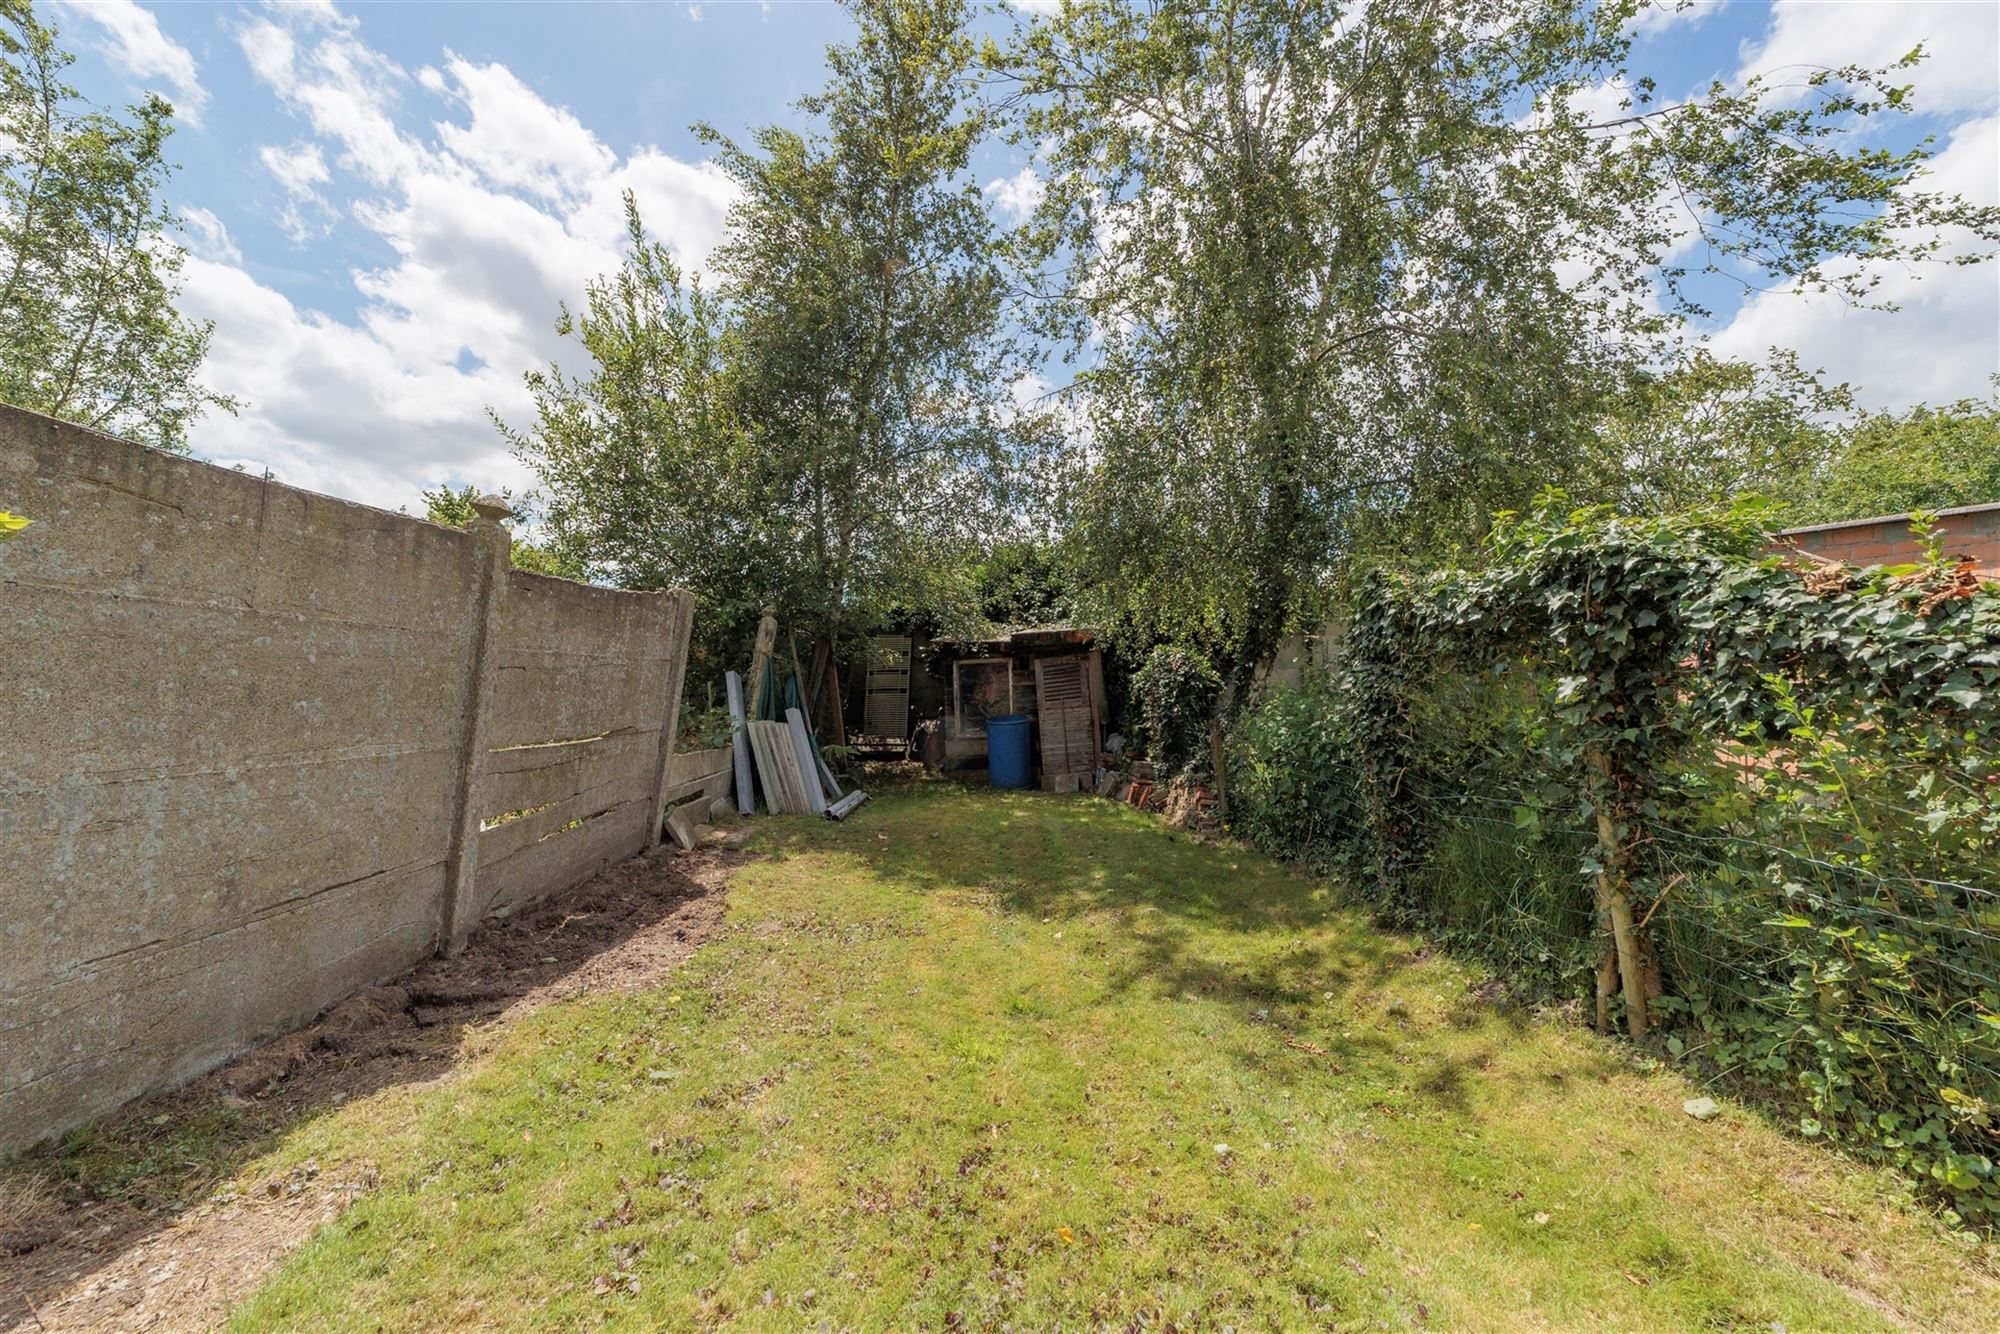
column 970, row 1059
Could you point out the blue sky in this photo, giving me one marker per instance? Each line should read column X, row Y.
column 386, row 202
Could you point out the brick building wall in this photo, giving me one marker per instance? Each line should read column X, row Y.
column 1970, row 530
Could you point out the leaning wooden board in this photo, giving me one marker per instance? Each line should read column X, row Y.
column 808, row 764
column 778, row 768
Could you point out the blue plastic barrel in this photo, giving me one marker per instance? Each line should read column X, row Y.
column 1007, row 758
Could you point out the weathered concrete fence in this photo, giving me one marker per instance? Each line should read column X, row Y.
column 260, row 748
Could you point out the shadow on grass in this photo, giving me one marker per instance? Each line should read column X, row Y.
column 1200, row 920
column 1059, row 857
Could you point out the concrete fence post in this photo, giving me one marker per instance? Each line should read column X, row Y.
column 680, row 625
column 459, row 912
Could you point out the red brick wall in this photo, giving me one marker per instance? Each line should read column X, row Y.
column 1971, row 531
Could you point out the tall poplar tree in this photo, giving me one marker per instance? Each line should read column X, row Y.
column 831, row 427
column 866, row 289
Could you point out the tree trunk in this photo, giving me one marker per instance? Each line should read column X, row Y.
column 1614, row 859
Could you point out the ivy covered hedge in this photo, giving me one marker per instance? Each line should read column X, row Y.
column 1753, row 806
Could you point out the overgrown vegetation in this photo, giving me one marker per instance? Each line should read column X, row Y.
column 1176, row 690
column 1342, row 282
column 829, row 431
column 1774, row 797
column 989, row 1059
column 1893, row 463
column 1354, row 278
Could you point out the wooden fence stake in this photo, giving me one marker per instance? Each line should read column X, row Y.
column 767, row 641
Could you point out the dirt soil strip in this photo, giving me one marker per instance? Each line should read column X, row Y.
column 179, row 1254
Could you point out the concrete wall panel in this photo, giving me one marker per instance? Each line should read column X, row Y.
column 575, row 661
column 233, row 723
column 530, row 777
column 567, row 856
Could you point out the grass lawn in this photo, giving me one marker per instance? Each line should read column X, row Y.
column 975, row 1059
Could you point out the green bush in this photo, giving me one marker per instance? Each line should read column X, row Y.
column 1833, row 936
column 1501, row 878
column 1177, row 690
column 1292, row 784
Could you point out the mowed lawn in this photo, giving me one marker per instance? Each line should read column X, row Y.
column 975, row 1060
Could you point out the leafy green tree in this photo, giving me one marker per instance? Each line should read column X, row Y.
column 645, row 464
column 830, row 430
column 88, row 267
column 452, row 507
column 1926, row 458
column 1355, row 276
column 1024, row 583
column 1709, row 430
column 865, row 286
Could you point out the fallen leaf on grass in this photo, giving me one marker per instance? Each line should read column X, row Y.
column 1634, row 1279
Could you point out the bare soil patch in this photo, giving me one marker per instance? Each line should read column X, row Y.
column 138, row 1223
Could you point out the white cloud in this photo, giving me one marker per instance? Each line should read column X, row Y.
column 346, row 91
column 1018, row 195
column 208, row 238
column 1944, row 341
column 1960, row 72
column 490, row 220
column 131, row 39
column 300, row 170
column 516, row 140
column 1659, row 15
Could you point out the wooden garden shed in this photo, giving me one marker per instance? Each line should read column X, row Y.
column 1053, row 674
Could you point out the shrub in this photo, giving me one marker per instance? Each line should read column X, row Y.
column 1292, row 783
column 1177, row 690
